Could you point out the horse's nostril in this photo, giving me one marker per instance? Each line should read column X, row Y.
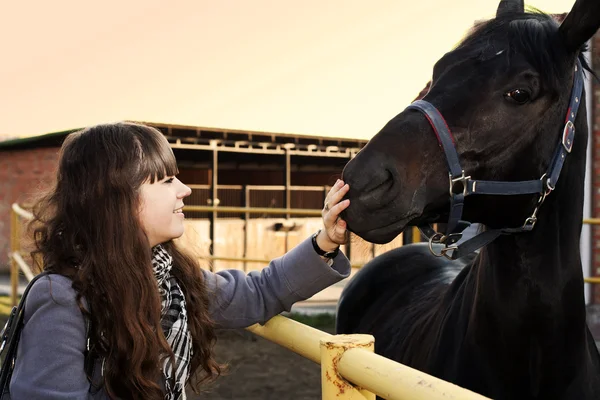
column 383, row 192
column 382, row 185
column 385, row 184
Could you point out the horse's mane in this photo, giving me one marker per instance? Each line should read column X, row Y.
column 534, row 35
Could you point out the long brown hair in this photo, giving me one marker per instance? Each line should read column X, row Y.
column 86, row 228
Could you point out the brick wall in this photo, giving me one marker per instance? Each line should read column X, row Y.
column 23, row 174
column 594, row 109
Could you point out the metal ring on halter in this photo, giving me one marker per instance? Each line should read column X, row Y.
column 548, row 190
column 439, row 238
column 548, row 185
column 435, row 239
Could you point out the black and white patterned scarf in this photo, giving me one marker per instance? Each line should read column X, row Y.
column 174, row 323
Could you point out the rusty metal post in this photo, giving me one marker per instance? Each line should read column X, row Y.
column 333, row 386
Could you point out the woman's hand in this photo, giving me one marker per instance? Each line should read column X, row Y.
column 334, row 232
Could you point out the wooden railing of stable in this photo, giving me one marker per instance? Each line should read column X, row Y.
column 18, row 263
column 350, row 370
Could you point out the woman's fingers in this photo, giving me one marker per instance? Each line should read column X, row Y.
column 336, row 193
column 334, row 189
column 336, row 210
column 339, row 194
column 335, row 227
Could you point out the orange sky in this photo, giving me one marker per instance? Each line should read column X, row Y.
column 331, row 68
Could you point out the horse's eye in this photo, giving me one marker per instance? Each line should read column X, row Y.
column 519, row 96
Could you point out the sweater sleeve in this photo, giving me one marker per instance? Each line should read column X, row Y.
column 240, row 300
column 50, row 354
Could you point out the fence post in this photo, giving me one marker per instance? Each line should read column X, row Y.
column 246, row 202
column 214, row 191
column 333, row 386
column 416, row 235
column 15, row 248
column 287, row 194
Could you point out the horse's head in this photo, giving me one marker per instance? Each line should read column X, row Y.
column 504, row 93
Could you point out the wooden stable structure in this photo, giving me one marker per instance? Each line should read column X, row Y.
column 217, row 157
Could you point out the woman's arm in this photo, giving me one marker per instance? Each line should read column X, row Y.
column 50, row 355
column 239, row 300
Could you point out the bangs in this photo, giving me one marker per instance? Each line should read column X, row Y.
column 157, row 160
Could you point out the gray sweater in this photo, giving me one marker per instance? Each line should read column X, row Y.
column 50, row 355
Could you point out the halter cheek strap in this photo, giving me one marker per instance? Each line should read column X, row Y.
column 461, row 186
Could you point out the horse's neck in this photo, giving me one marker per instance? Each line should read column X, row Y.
column 537, row 276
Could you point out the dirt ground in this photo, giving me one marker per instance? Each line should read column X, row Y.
column 259, row 369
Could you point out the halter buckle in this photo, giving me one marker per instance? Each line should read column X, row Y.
column 462, row 179
column 568, row 136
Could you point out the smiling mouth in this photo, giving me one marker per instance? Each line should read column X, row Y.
column 178, row 211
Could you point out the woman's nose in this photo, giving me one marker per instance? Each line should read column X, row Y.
column 185, row 191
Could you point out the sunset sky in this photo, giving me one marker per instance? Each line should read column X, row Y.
column 331, row 68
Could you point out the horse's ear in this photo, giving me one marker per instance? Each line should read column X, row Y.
column 510, row 7
column 581, row 23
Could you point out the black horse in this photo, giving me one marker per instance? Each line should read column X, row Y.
column 509, row 322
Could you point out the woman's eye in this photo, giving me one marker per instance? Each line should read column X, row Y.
column 170, row 180
column 519, row 96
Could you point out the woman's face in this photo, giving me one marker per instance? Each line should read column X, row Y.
column 161, row 206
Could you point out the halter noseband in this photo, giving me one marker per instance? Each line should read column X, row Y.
column 462, row 186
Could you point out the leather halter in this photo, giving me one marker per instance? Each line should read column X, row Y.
column 462, row 186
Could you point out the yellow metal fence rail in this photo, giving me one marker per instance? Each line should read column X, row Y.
column 349, row 359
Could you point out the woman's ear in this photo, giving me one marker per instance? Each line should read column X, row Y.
column 581, row 24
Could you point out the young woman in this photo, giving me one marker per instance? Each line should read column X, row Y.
column 125, row 313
